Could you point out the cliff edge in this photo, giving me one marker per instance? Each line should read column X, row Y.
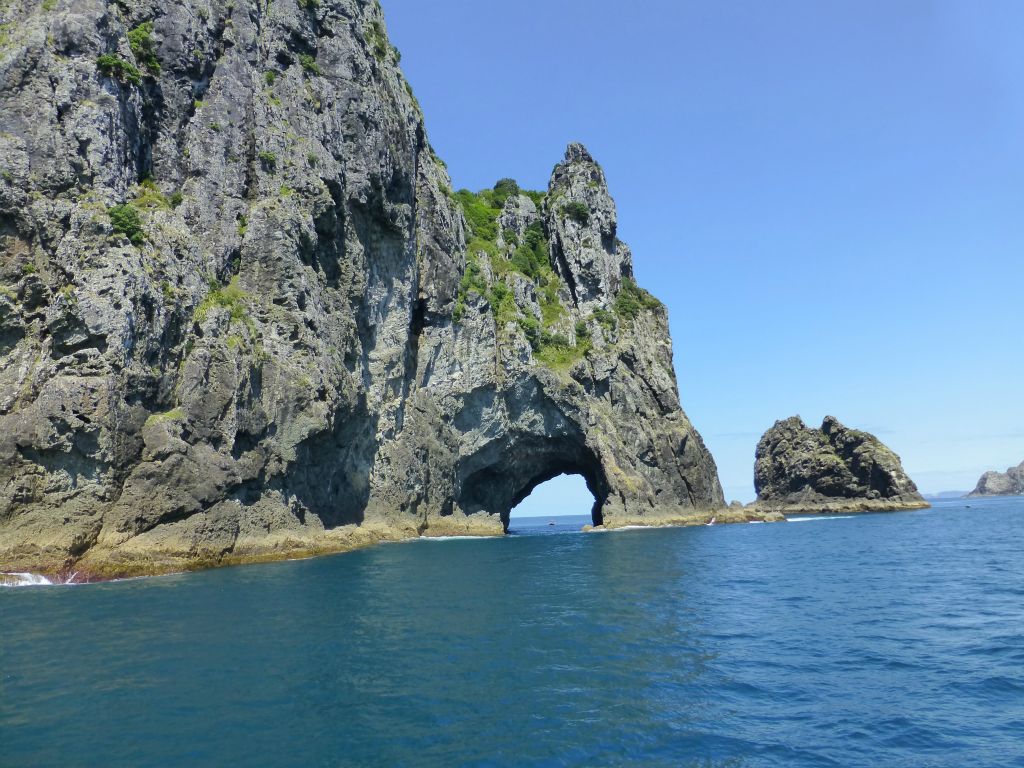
column 244, row 316
column 801, row 470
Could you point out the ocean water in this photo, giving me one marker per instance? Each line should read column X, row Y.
column 878, row 640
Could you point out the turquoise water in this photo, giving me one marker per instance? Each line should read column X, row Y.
column 881, row 640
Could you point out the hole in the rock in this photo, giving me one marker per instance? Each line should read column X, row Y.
column 497, row 480
column 562, row 501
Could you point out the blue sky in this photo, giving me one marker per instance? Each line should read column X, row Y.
column 829, row 197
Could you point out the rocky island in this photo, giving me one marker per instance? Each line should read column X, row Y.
column 1008, row 483
column 244, row 316
column 802, row 470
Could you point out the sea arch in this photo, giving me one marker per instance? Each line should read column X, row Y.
column 497, row 478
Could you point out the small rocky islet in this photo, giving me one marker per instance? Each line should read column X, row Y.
column 831, row 470
column 1008, row 483
column 244, row 316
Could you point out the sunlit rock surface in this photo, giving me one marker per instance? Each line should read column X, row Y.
column 799, row 469
column 244, row 316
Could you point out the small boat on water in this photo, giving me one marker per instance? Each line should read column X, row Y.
column 551, row 522
column 712, row 522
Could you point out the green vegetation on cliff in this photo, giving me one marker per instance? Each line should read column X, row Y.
column 309, row 64
column 230, row 297
column 509, row 255
column 472, row 281
column 556, row 351
column 532, row 258
column 150, row 197
column 378, row 41
column 632, row 299
column 481, row 213
column 578, row 212
column 140, row 40
column 175, row 414
column 125, row 220
column 111, row 65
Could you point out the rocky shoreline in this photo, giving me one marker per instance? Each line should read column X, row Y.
column 846, row 507
column 145, row 560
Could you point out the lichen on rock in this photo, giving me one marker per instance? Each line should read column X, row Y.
column 243, row 316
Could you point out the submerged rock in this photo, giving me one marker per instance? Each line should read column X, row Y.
column 243, row 315
column 799, row 469
column 1008, row 483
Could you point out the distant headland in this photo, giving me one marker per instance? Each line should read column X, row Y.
column 1008, row 483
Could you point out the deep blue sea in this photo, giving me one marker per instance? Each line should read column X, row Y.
column 878, row 640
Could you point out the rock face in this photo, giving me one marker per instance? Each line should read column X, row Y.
column 832, row 469
column 1008, row 483
column 243, row 315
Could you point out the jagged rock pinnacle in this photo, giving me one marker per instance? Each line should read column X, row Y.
column 577, row 153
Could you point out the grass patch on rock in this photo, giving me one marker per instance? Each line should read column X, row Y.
column 578, row 212
column 481, row 213
column 150, row 197
column 175, row 414
column 632, row 300
column 140, row 40
column 112, row 65
column 268, row 160
column 308, row 63
column 230, row 297
column 378, row 41
column 473, row 281
column 126, row 221
column 558, row 352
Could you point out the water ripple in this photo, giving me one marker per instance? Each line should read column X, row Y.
column 892, row 640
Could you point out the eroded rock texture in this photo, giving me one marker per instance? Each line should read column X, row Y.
column 832, row 469
column 1008, row 483
column 239, row 317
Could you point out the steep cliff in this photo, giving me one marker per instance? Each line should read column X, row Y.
column 832, row 469
column 243, row 315
column 1008, row 483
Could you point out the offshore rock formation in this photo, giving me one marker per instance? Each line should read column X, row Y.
column 243, row 316
column 833, row 469
column 1008, row 483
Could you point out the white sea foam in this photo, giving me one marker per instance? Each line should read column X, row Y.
column 23, row 580
column 823, row 517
